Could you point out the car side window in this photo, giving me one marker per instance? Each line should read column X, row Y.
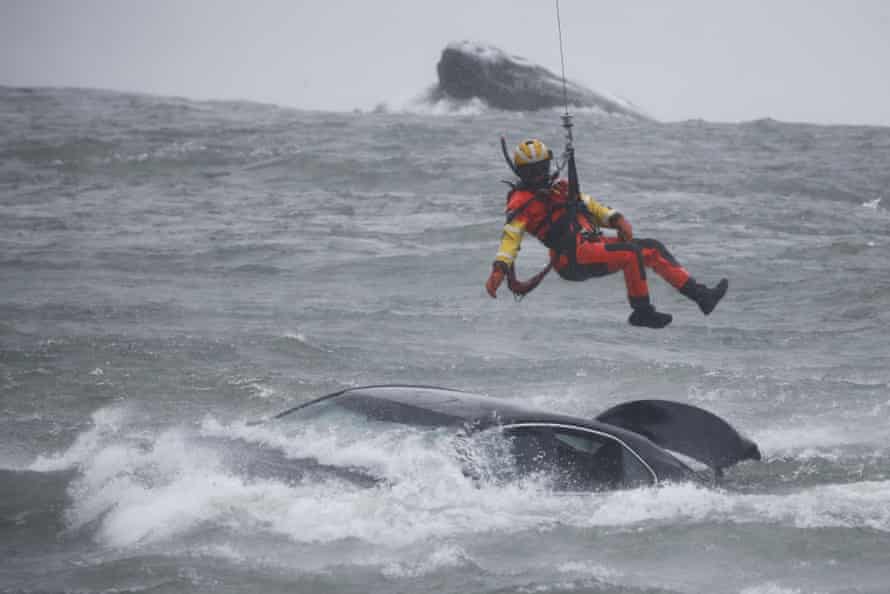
column 532, row 449
column 635, row 473
column 576, row 459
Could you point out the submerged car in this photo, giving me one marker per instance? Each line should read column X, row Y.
column 644, row 442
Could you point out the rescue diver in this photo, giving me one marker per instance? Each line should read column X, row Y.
column 537, row 204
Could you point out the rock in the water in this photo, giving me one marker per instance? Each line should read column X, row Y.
column 467, row 70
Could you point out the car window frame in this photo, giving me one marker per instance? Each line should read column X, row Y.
column 530, row 424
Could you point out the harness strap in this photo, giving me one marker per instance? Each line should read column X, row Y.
column 560, row 235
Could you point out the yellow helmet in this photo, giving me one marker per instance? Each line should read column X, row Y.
column 532, row 160
column 529, row 152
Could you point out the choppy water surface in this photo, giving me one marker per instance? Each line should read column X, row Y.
column 171, row 270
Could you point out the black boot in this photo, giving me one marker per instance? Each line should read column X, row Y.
column 707, row 299
column 647, row 317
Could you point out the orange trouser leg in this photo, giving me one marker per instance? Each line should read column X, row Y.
column 658, row 258
column 607, row 256
column 610, row 254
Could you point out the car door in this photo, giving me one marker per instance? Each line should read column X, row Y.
column 576, row 458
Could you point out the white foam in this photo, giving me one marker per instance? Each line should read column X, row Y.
column 150, row 491
column 801, row 439
column 106, row 423
column 855, row 505
column 769, row 588
column 485, row 52
column 445, row 557
column 590, row 569
column 257, row 388
column 395, row 454
column 804, row 441
column 145, row 494
column 444, row 107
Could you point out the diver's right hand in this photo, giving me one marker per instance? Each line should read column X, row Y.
column 498, row 270
column 625, row 231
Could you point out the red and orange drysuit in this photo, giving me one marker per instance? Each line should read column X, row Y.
column 582, row 253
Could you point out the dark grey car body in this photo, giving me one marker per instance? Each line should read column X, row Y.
column 629, row 445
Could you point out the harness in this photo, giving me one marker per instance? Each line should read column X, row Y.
column 558, row 230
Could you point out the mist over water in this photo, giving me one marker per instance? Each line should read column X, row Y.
column 172, row 270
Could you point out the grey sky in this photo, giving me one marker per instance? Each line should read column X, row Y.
column 724, row 60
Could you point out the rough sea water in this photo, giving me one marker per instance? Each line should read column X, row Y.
column 171, row 270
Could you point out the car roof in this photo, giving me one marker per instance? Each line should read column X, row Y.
column 467, row 407
column 444, row 406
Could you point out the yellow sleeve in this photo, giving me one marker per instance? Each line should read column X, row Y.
column 600, row 212
column 510, row 240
